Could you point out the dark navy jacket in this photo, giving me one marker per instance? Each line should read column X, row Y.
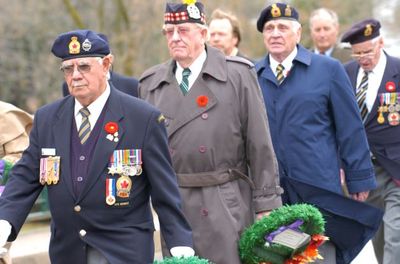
column 122, row 234
column 384, row 139
column 314, row 120
column 125, row 84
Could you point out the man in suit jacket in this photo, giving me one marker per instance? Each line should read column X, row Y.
column 375, row 77
column 314, row 121
column 123, row 83
column 324, row 29
column 101, row 154
column 218, row 134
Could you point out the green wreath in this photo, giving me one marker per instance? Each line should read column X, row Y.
column 5, row 167
column 252, row 244
column 182, row 260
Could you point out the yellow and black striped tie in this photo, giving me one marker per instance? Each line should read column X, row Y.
column 84, row 130
column 279, row 73
column 361, row 95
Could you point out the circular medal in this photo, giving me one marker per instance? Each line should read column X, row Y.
column 110, row 200
column 391, row 108
column 380, row 119
column 139, row 170
column 124, row 185
column 393, row 118
column 397, row 106
column 132, row 170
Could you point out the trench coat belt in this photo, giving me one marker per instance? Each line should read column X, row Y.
column 212, row 178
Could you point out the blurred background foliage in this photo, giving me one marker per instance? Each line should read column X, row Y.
column 29, row 73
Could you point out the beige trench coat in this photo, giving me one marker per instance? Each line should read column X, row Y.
column 15, row 125
column 222, row 151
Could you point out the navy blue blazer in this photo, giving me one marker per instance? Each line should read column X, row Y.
column 125, row 84
column 383, row 139
column 123, row 234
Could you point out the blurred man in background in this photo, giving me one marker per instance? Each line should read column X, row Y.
column 324, row 27
column 225, row 33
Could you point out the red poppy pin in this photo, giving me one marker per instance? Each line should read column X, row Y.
column 390, row 87
column 202, row 100
column 112, row 131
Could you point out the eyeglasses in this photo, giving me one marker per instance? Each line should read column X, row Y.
column 182, row 31
column 69, row 69
column 369, row 54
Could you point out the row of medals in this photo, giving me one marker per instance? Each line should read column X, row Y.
column 124, row 182
column 389, row 104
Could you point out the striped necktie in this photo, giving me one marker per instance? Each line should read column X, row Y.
column 84, row 130
column 279, row 73
column 361, row 95
column 185, row 81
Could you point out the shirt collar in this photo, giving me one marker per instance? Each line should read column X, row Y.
column 195, row 67
column 95, row 107
column 287, row 63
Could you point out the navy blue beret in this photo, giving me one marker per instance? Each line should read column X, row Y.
column 80, row 43
column 362, row 31
column 189, row 11
column 276, row 11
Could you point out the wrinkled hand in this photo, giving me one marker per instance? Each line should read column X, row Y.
column 361, row 196
column 262, row 214
column 5, row 231
column 182, row 252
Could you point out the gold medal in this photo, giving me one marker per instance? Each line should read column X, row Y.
column 124, row 185
column 381, row 119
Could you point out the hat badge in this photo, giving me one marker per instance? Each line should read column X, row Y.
column 288, row 11
column 193, row 11
column 74, row 45
column 368, row 30
column 86, row 45
column 275, row 11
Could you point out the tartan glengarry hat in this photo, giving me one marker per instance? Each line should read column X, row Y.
column 364, row 30
column 276, row 11
column 189, row 11
column 80, row 43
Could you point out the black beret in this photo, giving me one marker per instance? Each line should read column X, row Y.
column 189, row 11
column 80, row 43
column 276, row 11
column 362, row 31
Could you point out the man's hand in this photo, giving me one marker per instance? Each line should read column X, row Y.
column 5, row 231
column 361, row 196
column 182, row 252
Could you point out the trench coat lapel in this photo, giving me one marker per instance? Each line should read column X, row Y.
column 189, row 108
column 104, row 148
column 62, row 131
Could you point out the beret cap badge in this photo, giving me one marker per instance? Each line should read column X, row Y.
column 368, row 30
column 275, row 11
column 288, row 11
column 86, row 45
column 74, row 46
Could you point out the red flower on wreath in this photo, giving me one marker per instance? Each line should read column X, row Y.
column 111, row 127
column 202, row 100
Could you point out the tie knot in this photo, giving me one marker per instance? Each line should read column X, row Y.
column 84, row 112
column 280, row 68
column 186, row 72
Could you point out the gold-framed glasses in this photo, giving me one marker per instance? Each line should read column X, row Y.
column 82, row 68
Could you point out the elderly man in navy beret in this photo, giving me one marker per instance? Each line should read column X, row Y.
column 316, row 126
column 101, row 154
column 375, row 76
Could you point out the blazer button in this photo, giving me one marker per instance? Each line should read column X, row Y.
column 77, row 208
column 82, row 233
column 204, row 116
column 202, row 149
